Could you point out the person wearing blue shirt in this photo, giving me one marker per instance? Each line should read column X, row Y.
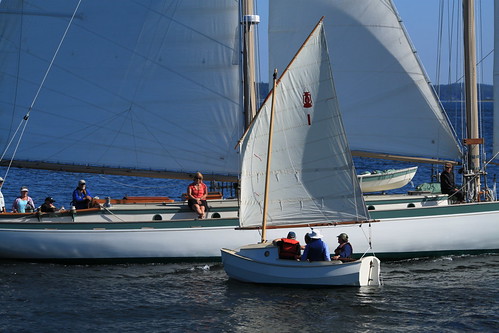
column 344, row 251
column 316, row 249
column 81, row 196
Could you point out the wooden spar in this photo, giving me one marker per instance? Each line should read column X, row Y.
column 308, row 225
column 113, row 171
column 398, row 157
column 471, row 91
column 269, row 157
column 249, row 23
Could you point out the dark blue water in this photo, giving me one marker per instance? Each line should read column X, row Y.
column 448, row 294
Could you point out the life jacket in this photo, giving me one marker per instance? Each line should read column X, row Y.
column 340, row 247
column 289, row 248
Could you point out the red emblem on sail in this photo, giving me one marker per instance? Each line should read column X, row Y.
column 307, row 99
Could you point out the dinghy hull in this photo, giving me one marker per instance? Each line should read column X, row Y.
column 259, row 263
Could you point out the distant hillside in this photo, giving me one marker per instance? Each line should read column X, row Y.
column 455, row 92
column 447, row 92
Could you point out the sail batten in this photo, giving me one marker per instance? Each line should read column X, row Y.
column 158, row 86
column 311, row 178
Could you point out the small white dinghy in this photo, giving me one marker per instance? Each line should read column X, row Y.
column 260, row 263
column 294, row 188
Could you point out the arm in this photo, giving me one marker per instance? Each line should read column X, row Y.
column 305, row 253
column 205, row 190
column 189, row 192
column 326, row 252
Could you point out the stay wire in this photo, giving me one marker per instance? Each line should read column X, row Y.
column 42, row 83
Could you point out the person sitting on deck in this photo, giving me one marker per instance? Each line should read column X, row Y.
column 316, row 249
column 81, row 196
column 23, row 203
column 344, row 251
column 289, row 247
column 196, row 194
column 48, row 205
column 447, row 185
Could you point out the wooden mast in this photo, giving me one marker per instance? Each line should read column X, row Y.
column 249, row 21
column 269, row 157
column 472, row 140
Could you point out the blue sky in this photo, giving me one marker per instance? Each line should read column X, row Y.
column 420, row 18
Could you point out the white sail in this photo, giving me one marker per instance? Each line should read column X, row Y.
column 495, row 130
column 312, row 177
column 152, row 85
column 386, row 102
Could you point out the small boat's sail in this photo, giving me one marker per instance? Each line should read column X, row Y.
column 312, row 177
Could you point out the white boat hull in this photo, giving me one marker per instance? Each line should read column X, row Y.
column 406, row 233
column 259, row 263
column 385, row 181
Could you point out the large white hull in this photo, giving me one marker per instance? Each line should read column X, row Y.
column 468, row 228
column 259, row 263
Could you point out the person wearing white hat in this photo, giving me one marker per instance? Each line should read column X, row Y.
column 2, row 201
column 81, row 196
column 23, row 203
column 316, row 249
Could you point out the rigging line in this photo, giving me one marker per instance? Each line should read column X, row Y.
column 26, row 117
column 8, row 146
column 53, row 58
column 476, row 175
column 110, row 212
column 368, row 239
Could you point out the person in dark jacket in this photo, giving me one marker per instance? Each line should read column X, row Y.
column 316, row 249
column 48, row 205
column 344, row 251
column 447, row 184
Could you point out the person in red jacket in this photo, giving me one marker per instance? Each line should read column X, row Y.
column 289, row 247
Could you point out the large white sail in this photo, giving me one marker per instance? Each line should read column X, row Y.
column 312, row 177
column 152, row 85
column 387, row 105
column 496, row 81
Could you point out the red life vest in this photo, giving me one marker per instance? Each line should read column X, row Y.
column 289, row 249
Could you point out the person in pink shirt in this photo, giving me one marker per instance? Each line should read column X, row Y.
column 196, row 194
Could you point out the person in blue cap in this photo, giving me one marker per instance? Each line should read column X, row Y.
column 289, row 247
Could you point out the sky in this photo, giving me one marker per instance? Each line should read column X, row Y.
column 421, row 19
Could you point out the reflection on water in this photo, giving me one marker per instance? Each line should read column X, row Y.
column 443, row 294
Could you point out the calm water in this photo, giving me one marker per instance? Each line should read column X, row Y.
column 448, row 294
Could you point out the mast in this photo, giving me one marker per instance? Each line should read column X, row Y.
column 472, row 140
column 250, row 20
column 269, row 157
